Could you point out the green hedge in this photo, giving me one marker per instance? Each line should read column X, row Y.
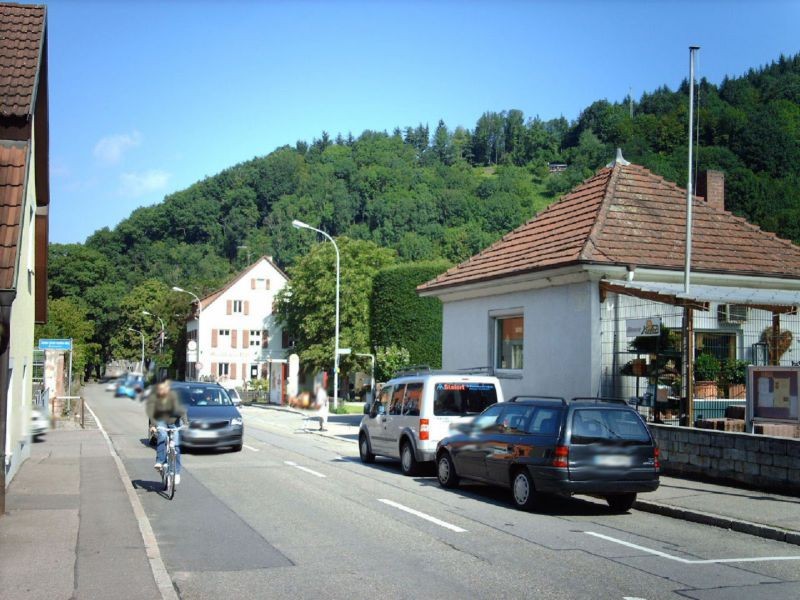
column 399, row 316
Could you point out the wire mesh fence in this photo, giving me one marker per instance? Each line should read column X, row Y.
column 643, row 354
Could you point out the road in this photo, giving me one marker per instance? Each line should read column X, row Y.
column 297, row 515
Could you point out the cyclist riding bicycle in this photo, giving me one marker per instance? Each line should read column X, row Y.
column 165, row 410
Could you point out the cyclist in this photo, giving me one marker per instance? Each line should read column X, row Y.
column 165, row 410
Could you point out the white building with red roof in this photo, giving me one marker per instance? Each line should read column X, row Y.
column 545, row 306
column 236, row 333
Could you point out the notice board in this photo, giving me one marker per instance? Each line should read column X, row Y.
column 772, row 394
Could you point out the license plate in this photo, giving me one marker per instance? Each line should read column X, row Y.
column 613, row 460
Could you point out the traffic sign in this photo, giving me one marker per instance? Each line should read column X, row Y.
column 345, row 350
column 45, row 344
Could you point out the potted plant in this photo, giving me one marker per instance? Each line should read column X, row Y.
column 706, row 371
column 733, row 376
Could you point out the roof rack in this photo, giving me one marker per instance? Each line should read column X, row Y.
column 412, row 370
column 487, row 369
column 598, row 400
column 537, row 397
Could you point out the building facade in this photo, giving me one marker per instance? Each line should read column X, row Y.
column 239, row 337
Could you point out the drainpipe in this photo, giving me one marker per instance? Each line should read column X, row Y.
column 6, row 298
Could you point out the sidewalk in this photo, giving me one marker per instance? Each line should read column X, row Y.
column 70, row 531
column 761, row 514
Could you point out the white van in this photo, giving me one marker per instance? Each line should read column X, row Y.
column 413, row 412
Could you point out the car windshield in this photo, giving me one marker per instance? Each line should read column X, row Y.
column 203, row 396
column 463, row 398
column 608, row 425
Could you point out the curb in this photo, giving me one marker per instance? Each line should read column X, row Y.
column 696, row 516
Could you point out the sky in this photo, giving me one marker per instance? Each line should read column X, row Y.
column 149, row 97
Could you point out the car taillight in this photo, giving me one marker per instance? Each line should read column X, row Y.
column 424, row 429
column 561, row 457
column 656, row 455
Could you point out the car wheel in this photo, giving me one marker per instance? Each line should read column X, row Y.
column 446, row 471
column 408, row 462
column 364, row 451
column 621, row 502
column 523, row 491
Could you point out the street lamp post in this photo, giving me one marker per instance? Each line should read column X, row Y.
column 161, row 346
column 301, row 225
column 175, row 288
column 141, row 334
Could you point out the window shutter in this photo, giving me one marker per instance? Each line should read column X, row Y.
column 267, row 283
column 214, row 333
column 214, row 371
column 229, row 307
column 245, row 338
column 252, row 284
column 233, row 338
column 233, row 371
column 246, row 307
column 244, row 371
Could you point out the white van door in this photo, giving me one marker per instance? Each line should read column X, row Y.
column 376, row 422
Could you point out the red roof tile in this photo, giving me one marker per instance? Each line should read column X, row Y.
column 21, row 38
column 12, row 187
column 626, row 215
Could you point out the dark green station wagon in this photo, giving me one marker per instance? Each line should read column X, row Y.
column 539, row 446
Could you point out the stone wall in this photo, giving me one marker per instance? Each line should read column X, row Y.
column 766, row 462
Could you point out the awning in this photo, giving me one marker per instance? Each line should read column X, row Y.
column 781, row 301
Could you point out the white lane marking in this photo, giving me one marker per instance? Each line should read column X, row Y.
column 251, row 448
column 686, row 561
column 306, row 469
column 422, row 515
column 160, row 574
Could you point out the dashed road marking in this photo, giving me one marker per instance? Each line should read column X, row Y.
column 422, row 515
column 305, row 469
column 251, row 448
column 687, row 561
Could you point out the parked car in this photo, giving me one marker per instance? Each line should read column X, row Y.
column 235, row 397
column 414, row 411
column 547, row 446
column 214, row 422
column 114, row 384
column 39, row 423
column 131, row 386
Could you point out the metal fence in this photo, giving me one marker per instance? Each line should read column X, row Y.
column 647, row 370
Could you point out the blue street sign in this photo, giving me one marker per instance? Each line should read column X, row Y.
column 55, row 344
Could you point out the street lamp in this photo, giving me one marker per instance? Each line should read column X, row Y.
column 145, row 312
column 141, row 334
column 175, row 288
column 301, row 225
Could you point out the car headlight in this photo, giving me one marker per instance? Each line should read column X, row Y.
column 236, row 421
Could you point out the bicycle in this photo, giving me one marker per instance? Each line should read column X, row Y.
column 169, row 471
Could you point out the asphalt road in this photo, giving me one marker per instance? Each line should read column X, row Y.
column 297, row 515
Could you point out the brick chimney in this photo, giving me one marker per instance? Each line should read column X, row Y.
column 711, row 185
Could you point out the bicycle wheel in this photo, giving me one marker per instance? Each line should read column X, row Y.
column 170, row 488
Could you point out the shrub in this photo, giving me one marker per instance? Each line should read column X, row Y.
column 706, row 367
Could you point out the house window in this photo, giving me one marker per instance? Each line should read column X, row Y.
column 509, row 334
column 223, row 369
column 720, row 344
column 225, row 332
column 237, row 306
column 255, row 337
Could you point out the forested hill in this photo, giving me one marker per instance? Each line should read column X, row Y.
column 445, row 192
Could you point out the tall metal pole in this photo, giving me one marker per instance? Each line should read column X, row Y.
column 175, row 288
column 688, row 314
column 160, row 320
column 141, row 334
column 688, row 266
column 301, row 225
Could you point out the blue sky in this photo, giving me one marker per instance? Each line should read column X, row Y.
column 149, row 97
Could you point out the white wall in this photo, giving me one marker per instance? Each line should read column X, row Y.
column 215, row 317
column 561, row 354
column 21, row 342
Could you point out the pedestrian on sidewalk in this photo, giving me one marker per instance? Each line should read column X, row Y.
column 321, row 402
column 165, row 409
